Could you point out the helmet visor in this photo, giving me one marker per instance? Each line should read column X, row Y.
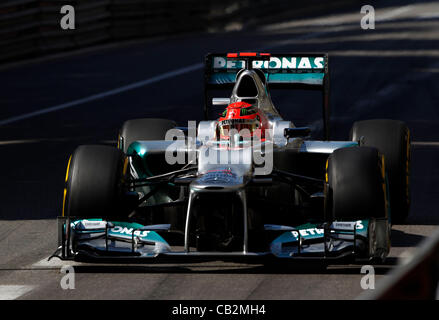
column 244, row 129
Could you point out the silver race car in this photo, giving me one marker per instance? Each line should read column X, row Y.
column 245, row 183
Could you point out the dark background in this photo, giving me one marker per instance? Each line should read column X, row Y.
column 389, row 72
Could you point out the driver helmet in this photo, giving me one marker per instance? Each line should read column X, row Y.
column 239, row 117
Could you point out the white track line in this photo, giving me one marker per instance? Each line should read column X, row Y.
column 54, row 263
column 129, row 87
column 105, row 94
column 115, row 91
column 393, row 13
column 12, row 292
column 425, row 143
column 8, row 142
column 29, row 141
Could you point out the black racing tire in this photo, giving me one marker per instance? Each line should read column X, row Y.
column 392, row 139
column 356, row 186
column 143, row 129
column 153, row 129
column 93, row 182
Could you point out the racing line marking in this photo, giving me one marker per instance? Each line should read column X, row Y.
column 54, row 263
column 105, row 94
column 425, row 143
column 12, row 292
column 8, row 142
column 115, row 91
column 393, row 13
column 155, row 79
column 129, row 87
column 28, row 141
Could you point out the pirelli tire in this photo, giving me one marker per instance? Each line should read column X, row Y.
column 147, row 129
column 143, row 129
column 392, row 139
column 355, row 184
column 94, row 182
column 153, row 129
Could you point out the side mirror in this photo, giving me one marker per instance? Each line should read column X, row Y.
column 220, row 101
column 297, row 132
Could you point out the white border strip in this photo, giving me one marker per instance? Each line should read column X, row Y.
column 12, row 292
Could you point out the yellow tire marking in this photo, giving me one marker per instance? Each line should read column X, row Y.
column 326, row 170
column 65, row 189
column 68, row 168
column 125, row 166
column 64, row 201
column 383, row 175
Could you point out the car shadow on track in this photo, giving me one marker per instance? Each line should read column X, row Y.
column 404, row 239
column 222, row 268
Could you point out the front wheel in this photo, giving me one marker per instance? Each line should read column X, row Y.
column 392, row 139
column 356, row 184
column 357, row 190
column 93, row 182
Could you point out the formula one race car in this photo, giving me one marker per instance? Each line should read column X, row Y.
column 246, row 185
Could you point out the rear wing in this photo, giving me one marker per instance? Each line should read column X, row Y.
column 281, row 70
column 298, row 68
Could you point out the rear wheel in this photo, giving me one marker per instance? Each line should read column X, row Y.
column 143, row 129
column 356, row 184
column 392, row 139
column 93, row 182
column 153, row 164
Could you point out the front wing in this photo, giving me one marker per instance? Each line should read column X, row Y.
column 97, row 239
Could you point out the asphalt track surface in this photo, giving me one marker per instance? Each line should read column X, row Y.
column 389, row 72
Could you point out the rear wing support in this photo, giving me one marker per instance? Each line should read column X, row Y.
column 282, row 71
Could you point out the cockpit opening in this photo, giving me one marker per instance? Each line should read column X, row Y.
column 247, row 87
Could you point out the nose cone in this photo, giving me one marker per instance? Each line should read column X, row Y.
column 219, row 180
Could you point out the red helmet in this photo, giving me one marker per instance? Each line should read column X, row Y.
column 240, row 116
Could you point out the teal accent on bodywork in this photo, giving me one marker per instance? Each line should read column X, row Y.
column 141, row 151
column 137, row 148
column 353, row 144
column 305, row 78
column 123, row 230
column 312, row 231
